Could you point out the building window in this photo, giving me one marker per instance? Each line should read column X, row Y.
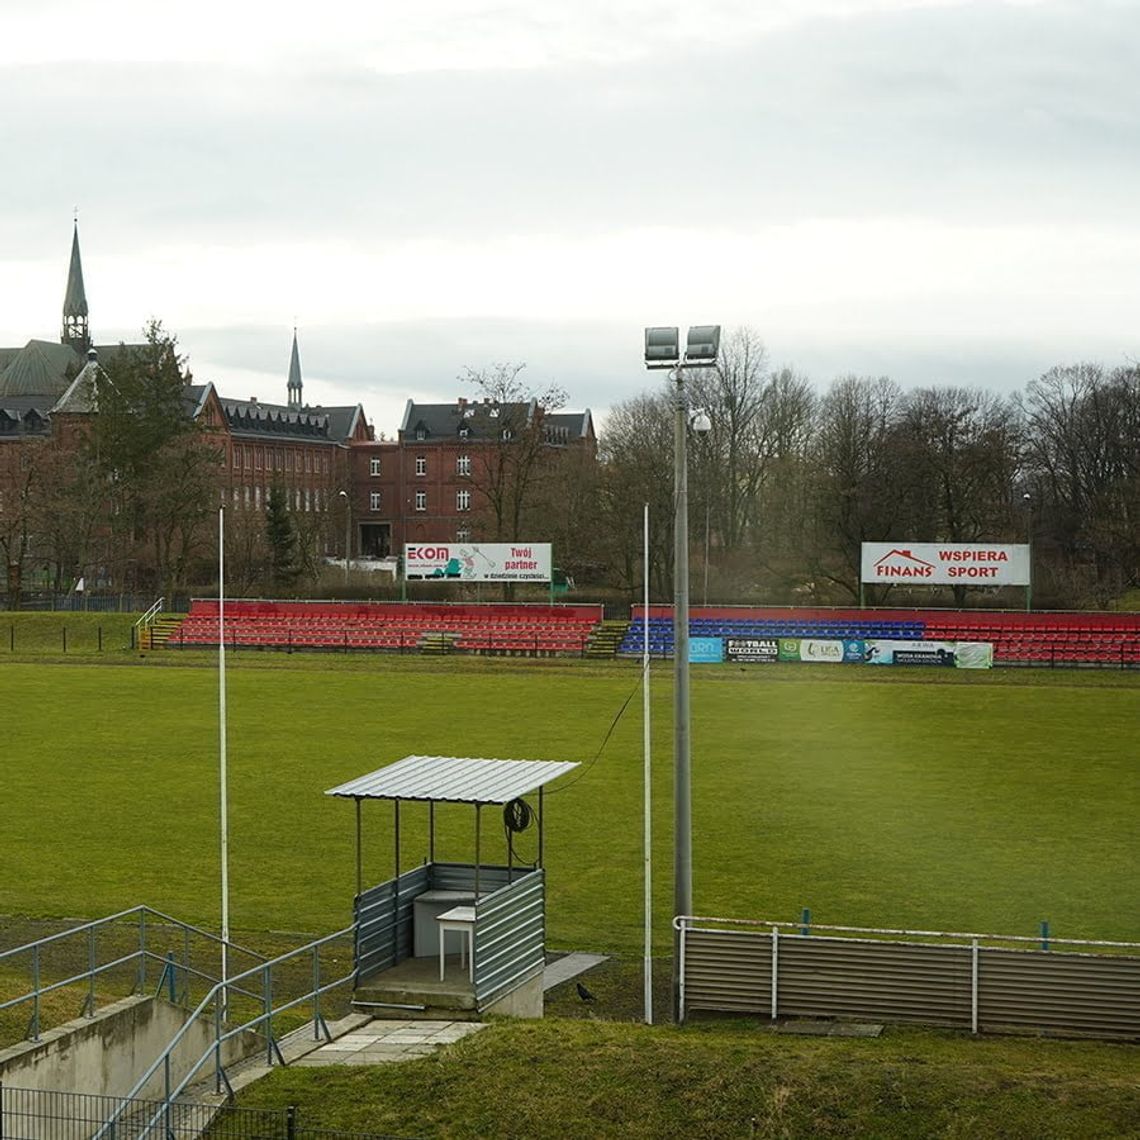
column 463, row 534
column 462, row 500
column 237, row 455
column 463, row 465
column 421, row 464
column 421, row 500
column 507, row 435
column 421, row 433
column 374, row 466
column 374, row 501
column 464, row 431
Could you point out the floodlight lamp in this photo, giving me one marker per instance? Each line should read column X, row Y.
column 700, row 422
column 662, row 347
column 703, row 344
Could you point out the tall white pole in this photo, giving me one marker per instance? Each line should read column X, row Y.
column 222, row 776
column 648, row 869
column 682, row 795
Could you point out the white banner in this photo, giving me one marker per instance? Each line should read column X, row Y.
column 478, row 562
column 946, row 564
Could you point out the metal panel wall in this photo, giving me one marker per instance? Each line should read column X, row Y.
column 510, row 936
column 461, row 877
column 384, row 922
column 893, row 981
column 1082, row 993
column 952, row 983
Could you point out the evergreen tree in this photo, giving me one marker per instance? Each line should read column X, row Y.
column 281, row 535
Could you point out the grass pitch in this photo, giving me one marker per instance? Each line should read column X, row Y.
column 915, row 798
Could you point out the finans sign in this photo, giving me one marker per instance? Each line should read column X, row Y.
column 942, row 564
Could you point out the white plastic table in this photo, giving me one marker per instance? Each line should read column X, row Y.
column 461, row 919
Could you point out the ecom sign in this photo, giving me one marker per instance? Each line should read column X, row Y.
column 945, row 564
column 479, row 562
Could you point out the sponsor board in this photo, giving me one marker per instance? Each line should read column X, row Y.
column 881, row 652
column 762, row 649
column 817, row 649
column 945, row 564
column 705, row 650
column 478, row 562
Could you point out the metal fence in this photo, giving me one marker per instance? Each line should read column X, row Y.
column 971, row 981
column 37, row 1114
column 129, row 952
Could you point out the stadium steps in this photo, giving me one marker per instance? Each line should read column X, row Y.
column 438, row 643
column 156, row 635
column 606, row 638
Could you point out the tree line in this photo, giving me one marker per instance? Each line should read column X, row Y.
column 790, row 481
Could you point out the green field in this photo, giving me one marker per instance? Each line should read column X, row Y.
column 916, row 798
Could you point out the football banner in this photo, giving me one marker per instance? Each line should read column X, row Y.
column 945, row 564
column 478, row 562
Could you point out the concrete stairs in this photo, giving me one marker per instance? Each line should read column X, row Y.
column 606, row 638
column 412, row 991
column 159, row 632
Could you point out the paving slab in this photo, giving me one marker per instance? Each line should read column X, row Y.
column 569, row 967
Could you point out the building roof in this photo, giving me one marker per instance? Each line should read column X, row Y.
column 252, row 417
column 40, row 368
column 482, row 420
column 566, row 426
column 454, row 779
column 81, row 397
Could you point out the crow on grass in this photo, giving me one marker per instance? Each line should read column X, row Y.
column 584, row 993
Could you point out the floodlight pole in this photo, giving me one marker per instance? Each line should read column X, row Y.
column 647, row 805
column 682, row 782
column 663, row 350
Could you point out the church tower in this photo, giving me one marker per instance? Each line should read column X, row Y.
column 295, row 377
column 75, row 329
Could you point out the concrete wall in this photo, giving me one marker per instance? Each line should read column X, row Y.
column 106, row 1054
column 523, row 1001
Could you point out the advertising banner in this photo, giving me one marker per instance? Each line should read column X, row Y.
column 756, row 649
column 910, row 653
column 478, row 562
column 705, row 650
column 789, row 649
column 945, row 564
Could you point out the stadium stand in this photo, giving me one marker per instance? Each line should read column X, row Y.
column 491, row 628
column 1109, row 639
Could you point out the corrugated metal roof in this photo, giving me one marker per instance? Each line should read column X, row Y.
column 454, row 779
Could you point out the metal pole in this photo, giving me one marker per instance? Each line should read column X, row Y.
column 359, row 854
column 682, row 821
column 647, row 870
column 477, row 837
column 706, row 599
column 1029, row 544
column 223, row 805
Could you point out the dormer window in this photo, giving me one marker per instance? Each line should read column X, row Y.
column 464, row 431
column 421, row 431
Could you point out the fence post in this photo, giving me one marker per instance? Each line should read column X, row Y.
column 805, row 918
column 775, row 969
column 1044, row 934
column 974, row 986
column 36, row 992
column 290, row 1123
column 63, row 630
column 170, row 987
column 316, row 993
column 91, row 972
column 142, row 951
column 12, row 638
column 100, row 628
column 267, row 1005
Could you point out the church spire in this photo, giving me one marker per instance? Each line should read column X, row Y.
column 295, row 376
column 75, row 330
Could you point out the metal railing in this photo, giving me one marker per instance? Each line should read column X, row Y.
column 964, row 979
column 27, row 1113
column 257, row 984
column 129, row 948
column 148, row 616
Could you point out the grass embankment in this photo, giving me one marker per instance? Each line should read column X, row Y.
column 927, row 799
column 559, row 1078
column 62, row 636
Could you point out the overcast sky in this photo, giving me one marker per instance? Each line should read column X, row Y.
column 943, row 191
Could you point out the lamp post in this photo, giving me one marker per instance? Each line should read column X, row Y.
column 347, row 532
column 662, row 350
column 1027, row 499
